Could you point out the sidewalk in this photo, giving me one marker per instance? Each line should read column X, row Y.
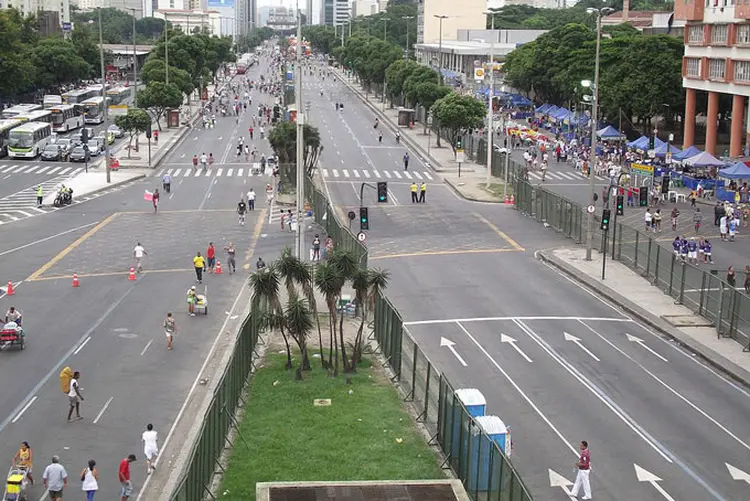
column 472, row 181
column 95, row 180
column 654, row 308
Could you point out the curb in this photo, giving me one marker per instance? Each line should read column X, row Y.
column 458, row 192
column 663, row 327
column 103, row 188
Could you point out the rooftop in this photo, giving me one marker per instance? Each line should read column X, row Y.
column 470, row 48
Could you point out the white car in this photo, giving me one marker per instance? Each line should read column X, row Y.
column 116, row 131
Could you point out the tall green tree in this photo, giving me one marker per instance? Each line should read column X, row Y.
column 158, row 97
column 155, row 70
column 57, row 62
column 14, row 54
column 135, row 122
column 457, row 114
column 283, row 140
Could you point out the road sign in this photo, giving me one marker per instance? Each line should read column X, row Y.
column 351, row 215
column 460, row 156
column 591, row 209
column 67, row 27
column 642, row 169
column 361, row 236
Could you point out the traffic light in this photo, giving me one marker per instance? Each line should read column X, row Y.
column 459, row 143
column 652, row 142
column 84, row 135
column 605, row 219
column 382, row 192
column 364, row 219
column 620, row 208
column 643, row 196
column 148, row 131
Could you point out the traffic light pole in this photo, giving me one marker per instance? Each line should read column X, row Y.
column 604, row 253
column 614, row 238
column 362, row 193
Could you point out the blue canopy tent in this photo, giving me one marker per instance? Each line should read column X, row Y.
column 543, row 108
column 642, row 143
column 661, row 151
column 519, row 100
column 609, row 132
column 740, row 170
column 688, row 152
column 636, row 142
column 704, row 160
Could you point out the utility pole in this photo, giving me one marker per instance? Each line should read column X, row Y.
column 407, row 19
column 440, row 49
column 104, row 98
column 300, row 235
column 166, row 48
column 135, row 64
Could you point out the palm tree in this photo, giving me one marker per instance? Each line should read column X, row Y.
column 299, row 324
column 345, row 263
column 266, row 303
column 295, row 273
column 327, row 280
column 368, row 284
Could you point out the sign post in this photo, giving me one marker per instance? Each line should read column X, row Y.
column 460, row 158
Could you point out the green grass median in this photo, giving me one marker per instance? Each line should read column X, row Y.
column 363, row 434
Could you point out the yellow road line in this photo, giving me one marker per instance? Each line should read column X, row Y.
column 111, row 274
column 49, row 264
column 444, row 253
column 256, row 235
column 130, row 212
column 500, row 233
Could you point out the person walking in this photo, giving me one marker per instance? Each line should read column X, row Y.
column 74, row 397
column 150, row 447
column 170, row 327
column 251, row 199
column 582, row 477
column 55, row 479
column 123, row 473
column 90, row 480
column 422, row 192
column 406, row 161
column 414, row 189
column 231, row 262
column 39, row 195
column 155, row 199
column 211, row 255
column 199, row 263
column 138, row 253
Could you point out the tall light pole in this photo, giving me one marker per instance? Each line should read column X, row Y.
column 166, row 48
column 385, row 28
column 104, row 98
column 135, row 64
column 440, row 48
column 490, row 107
column 407, row 18
column 300, row 235
column 594, row 120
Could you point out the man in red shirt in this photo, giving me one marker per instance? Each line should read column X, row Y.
column 582, row 478
column 211, row 257
column 250, row 130
column 124, row 474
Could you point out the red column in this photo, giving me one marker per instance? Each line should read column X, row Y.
column 689, row 131
column 738, row 115
column 712, row 117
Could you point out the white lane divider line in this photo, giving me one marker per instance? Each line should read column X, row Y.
column 104, row 409
column 146, row 347
column 80, row 346
column 25, row 408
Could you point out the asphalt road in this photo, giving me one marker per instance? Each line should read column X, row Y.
column 557, row 364
column 109, row 328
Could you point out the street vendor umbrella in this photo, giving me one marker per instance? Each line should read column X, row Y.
column 688, row 152
column 740, row 170
column 661, row 151
column 704, row 160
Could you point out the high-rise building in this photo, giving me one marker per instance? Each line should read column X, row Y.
column 335, row 12
column 716, row 61
column 365, row 7
column 463, row 14
column 56, row 11
column 309, row 11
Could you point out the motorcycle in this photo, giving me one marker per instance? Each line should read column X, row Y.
column 63, row 198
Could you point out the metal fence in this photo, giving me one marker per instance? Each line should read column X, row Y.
column 703, row 291
column 486, row 473
column 204, row 456
column 325, row 216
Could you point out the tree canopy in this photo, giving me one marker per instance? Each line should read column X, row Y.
column 117, row 25
column 458, row 114
column 158, row 97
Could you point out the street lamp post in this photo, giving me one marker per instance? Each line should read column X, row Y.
column 166, row 49
column 594, row 120
column 407, row 18
column 490, row 107
column 300, row 158
column 135, row 64
column 440, row 48
column 385, row 28
column 104, row 98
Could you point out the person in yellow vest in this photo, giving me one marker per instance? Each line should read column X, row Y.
column 414, row 197
column 39, row 195
column 422, row 192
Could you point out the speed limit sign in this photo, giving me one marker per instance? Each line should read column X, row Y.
column 361, row 236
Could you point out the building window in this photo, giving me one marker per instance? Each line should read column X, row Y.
column 693, row 67
column 743, row 34
column 717, row 69
column 695, row 33
column 742, row 71
column 719, row 34
column 171, row 4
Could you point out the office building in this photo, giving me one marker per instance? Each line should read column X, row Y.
column 191, row 18
column 716, row 62
column 334, row 12
column 463, row 14
column 365, row 7
column 55, row 12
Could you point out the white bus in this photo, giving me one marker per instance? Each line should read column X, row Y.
column 95, row 108
column 118, row 96
column 78, row 96
column 19, row 109
column 51, row 100
column 66, row 117
column 36, row 116
column 5, row 127
column 28, row 140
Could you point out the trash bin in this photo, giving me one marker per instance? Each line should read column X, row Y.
column 476, row 405
column 481, row 450
column 173, row 118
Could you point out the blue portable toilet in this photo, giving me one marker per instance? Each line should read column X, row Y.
column 476, row 404
column 479, row 459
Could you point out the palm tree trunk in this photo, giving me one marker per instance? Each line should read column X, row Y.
column 334, row 319
column 320, row 342
column 331, row 337
column 357, row 352
column 344, row 360
column 288, row 349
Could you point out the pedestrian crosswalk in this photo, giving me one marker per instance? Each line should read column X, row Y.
column 364, row 174
column 249, row 170
column 562, row 176
column 22, row 204
column 48, row 169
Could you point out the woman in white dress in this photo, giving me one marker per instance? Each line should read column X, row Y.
column 89, row 479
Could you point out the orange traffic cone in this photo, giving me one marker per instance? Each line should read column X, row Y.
column 75, row 280
column 131, row 276
column 512, row 200
column 218, row 268
column 10, row 292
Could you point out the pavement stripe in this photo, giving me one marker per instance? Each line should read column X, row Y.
column 176, row 172
column 325, row 172
column 408, row 176
column 21, row 169
column 335, row 173
column 66, row 170
column 5, row 170
column 355, row 172
column 366, row 173
column 416, row 174
column 428, row 176
column 78, row 171
column 229, row 172
column 208, row 173
column 219, row 172
column 387, row 174
column 43, row 169
column 398, row 176
column 345, row 172
column 239, row 172
column 161, row 173
column 376, row 173
column 32, row 169
column 55, row 169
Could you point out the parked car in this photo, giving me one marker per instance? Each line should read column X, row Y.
column 118, row 132
column 65, row 143
column 96, row 146
column 79, row 154
column 53, row 152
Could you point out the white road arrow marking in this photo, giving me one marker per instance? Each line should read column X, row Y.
column 738, row 474
column 647, row 476
column 640, row 341
column 451, row 346
column 557, row 480
column 577, row 341
column 511, row 341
